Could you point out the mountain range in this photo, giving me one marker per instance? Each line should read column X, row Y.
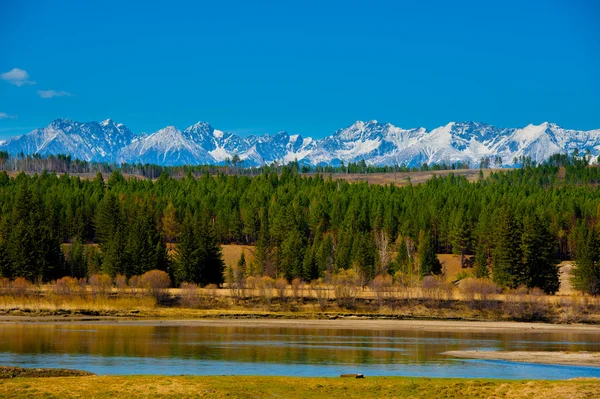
column 375, row 143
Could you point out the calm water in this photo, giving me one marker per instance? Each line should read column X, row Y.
column 200, row 350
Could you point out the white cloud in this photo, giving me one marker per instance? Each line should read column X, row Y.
column 4, row 115
column 53, row 93
column 17, row 77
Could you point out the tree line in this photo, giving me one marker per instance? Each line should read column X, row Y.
column 513, row 225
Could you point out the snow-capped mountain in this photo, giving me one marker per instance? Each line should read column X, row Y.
column 374, row 142
column 88, row 141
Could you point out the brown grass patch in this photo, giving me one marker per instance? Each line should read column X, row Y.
column 288, row 387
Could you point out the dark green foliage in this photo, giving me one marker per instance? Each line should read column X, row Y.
column 507, row 269
column 429, row 263
column 586, row 273
column 199, row 259
column 514, row 223
column 77, row 263
column 538, row 247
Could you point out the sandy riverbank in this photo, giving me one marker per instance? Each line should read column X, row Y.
column 348, row 323
column 567, row 358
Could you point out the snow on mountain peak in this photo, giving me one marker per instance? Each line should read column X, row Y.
column 372, row 141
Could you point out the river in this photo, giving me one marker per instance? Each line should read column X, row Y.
column 275, row 350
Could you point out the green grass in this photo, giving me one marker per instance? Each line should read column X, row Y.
column 286, row 387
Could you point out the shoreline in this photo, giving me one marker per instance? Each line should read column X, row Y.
column 587, row 359
column 346, row 324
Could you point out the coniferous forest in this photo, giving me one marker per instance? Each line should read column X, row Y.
column 517, row 225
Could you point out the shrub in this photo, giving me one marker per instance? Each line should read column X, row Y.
column 101, row 284
column 280, row 285
column 573, row 308
column 21, row 287
column 478, row 292
column 265, row 286
column 5, row 286
column 346, row 285
column 250, row 282
column 321, row 291
column 66, row 286
column 190, row 295
column 156, row 282
column 211, row 291
column 382, row 287
column 436, row 289
column 236, row 281
column 121, row 283
column 521, row 304
column 298, row 289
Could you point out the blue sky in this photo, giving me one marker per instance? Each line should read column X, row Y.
column 302, row 66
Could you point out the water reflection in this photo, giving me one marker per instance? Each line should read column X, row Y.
column 114, row 349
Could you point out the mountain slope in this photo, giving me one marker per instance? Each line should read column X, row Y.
column 375, row 143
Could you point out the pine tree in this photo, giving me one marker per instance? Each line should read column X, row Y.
column 77, row 261
column 170, row 224
column 481, row 261
column 310, row 266
column 402, row 261
column 188, row 253
column 586, row 273
column 210, row 255
column 539, row 262
column 507, row 271
column 460, row 235
column 241, row 264
column 429, row 262
column 292, row 250
column 6, row 269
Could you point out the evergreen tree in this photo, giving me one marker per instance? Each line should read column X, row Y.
column 77, row 262
column 429, row 262
column 210, row 255
column 539, row 261
column 508, row 271
column 188, row 253
column 241, row 264
column 586, row 273
column 170, row 224
column 292, row 250
column 481, row 261
column 402, row 262
column 5, row 262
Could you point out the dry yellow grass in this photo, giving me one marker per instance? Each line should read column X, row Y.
column 232, row 253
column 289, row 387
column 402, row 179
column 74, row 304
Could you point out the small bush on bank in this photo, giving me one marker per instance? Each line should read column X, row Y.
column 346, row 285
column 210, row 290
column 265, row 286
column 190, row 295
column 100, row 284
column 5, row 286
column 526, row 305
column 381, row 286
column 321, row 292
column 156, row 282
column 479, row 292
column 280, row 286
column 67, row 286
column 298, row 289
column 21, row 287
column 121, row 283
column 435, row 289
